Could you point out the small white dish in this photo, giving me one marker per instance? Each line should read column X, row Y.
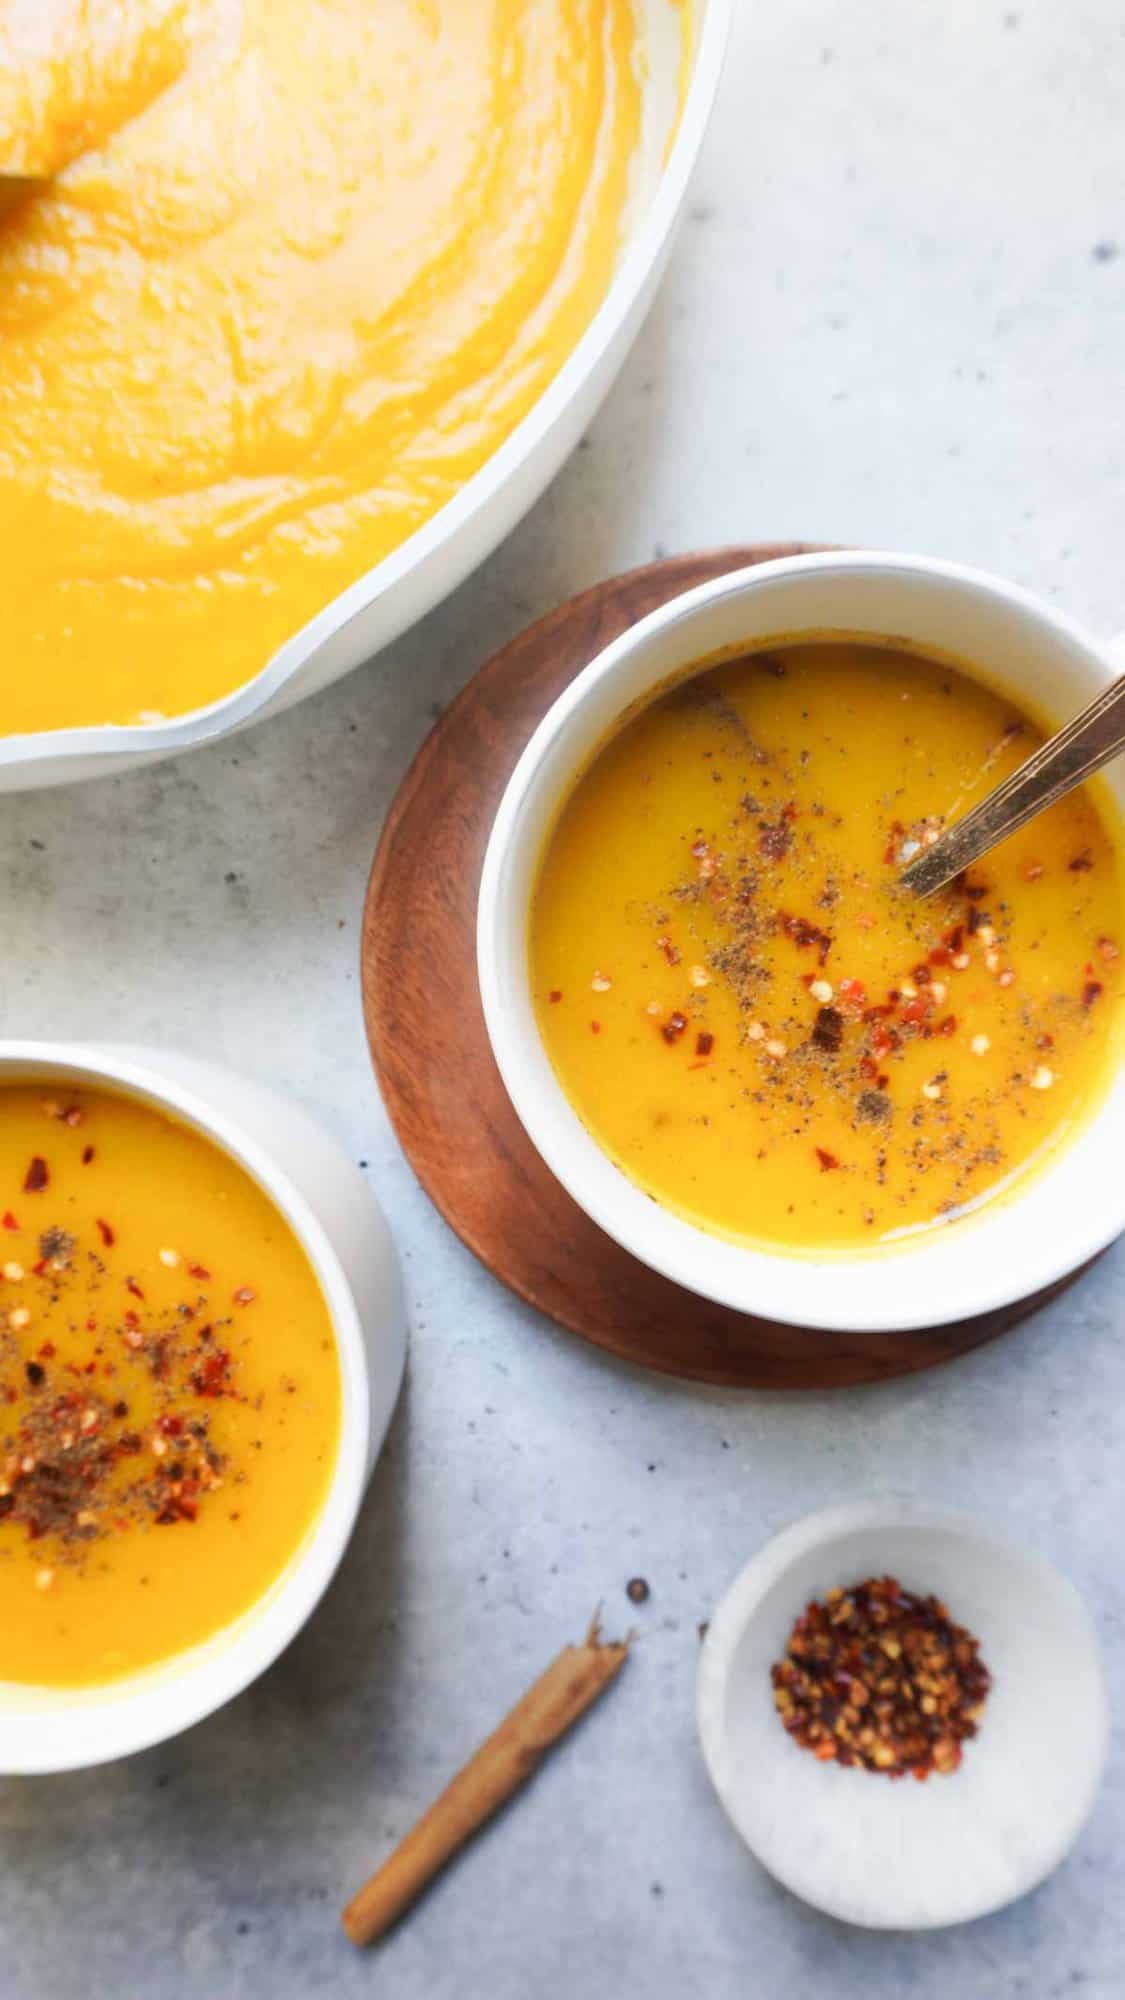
column 896, row 1855
column 1059, row 1216
column 328, row 1206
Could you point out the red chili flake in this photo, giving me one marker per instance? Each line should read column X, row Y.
column 674, row 1026
column 948, row 1026
column 914, row 1012
column 805, row 933
column 1092, row 991
column 37, row 1175
column 131, row 1285
column 882, row 1079
column 47, row 1350
column 105, row 1232
column 72, row 1115
column 87, row 1155
column 245, row 1296
column 699, row 848
column 665, row 945
column 209, row 1379
column 554, row 996
column 704, row 1043
column 132, row 1319
column 171, row 1426
column 922, row 975
column 595, row 1027
column 1081, row 864
column 8, row 1220
column 826, row 1159
column 941, row 954
column 867, row 1069
column 890, row 852
column 1106, row 947
column 852, row 995
column 954, row 938
column 198, row 1271
column 39, row 1267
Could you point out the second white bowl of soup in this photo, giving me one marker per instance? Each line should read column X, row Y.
column 753, row 1059
column 196, row 1372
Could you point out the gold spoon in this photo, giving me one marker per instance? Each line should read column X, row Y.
column 1090, row 741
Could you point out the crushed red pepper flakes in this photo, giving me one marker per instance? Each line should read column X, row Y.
column 827, row 1161
column 9, row 1220
column 704, row 1043
column 87, row 1155
column 105, row 1232
column 1092, row 991
column 132, row 1286
column 595, row 1027
column 670, row 951
column 198, row 1271
column 805, row 933
column 881, row 1678
column 674, row 1026
column 554, row 996
column 37, row 1175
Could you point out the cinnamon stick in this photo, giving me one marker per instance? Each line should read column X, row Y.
column 504, row 1762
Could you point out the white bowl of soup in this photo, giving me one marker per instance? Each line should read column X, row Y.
column 195, row 1376
column 747, row 1054
column 342, row 357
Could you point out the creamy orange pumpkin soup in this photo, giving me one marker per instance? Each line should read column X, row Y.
column 301, row 271
column 169, row 1388
column 752, row 1018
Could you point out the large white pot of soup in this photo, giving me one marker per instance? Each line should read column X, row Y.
column 311, row 308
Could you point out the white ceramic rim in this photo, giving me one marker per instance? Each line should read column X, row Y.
column 739, row 1604
column 644, row 252
column 1024, row 1243
column 67, row 1729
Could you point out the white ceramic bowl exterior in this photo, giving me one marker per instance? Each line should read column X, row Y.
column 50, row 1729
column 902, row 1855
column 397, row 592
column 1068, row 1210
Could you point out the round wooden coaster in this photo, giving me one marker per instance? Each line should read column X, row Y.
column 435, row 1066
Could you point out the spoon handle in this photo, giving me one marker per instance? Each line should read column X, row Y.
column 1053, row 770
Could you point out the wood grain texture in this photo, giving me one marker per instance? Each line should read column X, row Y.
column 443, row 1090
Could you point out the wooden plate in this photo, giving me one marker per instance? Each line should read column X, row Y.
column 435, row 1066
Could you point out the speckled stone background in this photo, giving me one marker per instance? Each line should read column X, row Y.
column 897, row 315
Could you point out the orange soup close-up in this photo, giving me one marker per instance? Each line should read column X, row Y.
column 169, row 1387
column 294, row 274
column 760, row 1026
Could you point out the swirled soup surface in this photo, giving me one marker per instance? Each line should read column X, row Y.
column 169, row 1388
column 305, row 265
column 756, row 1024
